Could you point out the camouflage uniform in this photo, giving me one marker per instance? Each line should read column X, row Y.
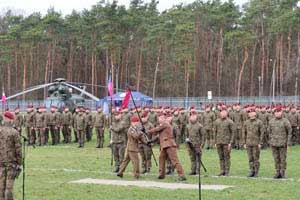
column 58, row 117
column 224, row 135
column 264, row 117
column 99, row 121
column 177, row 135
column 280, row 138
column 74, row 126
column 208, row 120
column 66, row 120
column 40, row 128
column 29, row 125
column 182, row 126
column 80, row 127
column 126, row 122
column 238, row 119
column 253, row 134
column 294, row 119
column 52, row 124
column 146, row 151
column 152, row 118
column 11, row 159
column 195, row 135
column 118, row 142
column 18, row 122
column 89, row 126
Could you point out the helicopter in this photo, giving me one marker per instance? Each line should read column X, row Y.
column 60, row 94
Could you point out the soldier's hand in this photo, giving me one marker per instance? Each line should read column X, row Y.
column 259, row 146
column 110, row 142
column 143, row 130
column 298, row 127
column 245, row 146
column 215, row 145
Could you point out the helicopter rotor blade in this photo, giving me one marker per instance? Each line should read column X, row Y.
column 31, row 89
column 82, row 91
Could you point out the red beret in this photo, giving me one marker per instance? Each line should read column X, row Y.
column 145, row 114
column 134, row 119
column 278, row 109
column 9, row 115
column 17, row 108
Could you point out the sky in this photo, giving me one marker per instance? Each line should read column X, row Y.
column 27, row 7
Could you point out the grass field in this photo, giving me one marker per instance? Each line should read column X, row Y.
column 50, row 169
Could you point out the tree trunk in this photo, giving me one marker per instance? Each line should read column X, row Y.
column 252, row 83
column 156, row 71
column 241, row 72
column 139, row 72
column 219, row 61
column 25, row 71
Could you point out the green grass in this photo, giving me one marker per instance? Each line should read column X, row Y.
column 50, row 169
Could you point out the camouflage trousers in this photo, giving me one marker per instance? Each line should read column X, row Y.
column 119, row 153
column 54, row 134
column 100, row 136
column 253, row 153
column 7, row 180
column 279, row 154
column 182, row 135
column 89, row 133
column 30, row 132
column 134, row 158
column 171, row 153
column 75, row 134
column 193, row 153
column 47, row 133
column 209, row 137
column 146, row 154
column 239, row 138
column 41, row 137
column 81, row 137
column 178, row 139
column 224, row 156
column 266, row 139
column 295, row 135
column 66, row 130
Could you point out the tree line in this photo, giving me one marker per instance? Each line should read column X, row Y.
column 231, row 50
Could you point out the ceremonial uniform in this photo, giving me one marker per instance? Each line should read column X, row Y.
column 66, row 121
column 118, row 142
column 208, row 120
column 99, row 121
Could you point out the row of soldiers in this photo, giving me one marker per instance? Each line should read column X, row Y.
column 251, row 128
column 40, row 124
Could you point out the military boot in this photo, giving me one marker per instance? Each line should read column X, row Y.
column 226, row 173
column 192, row 173
column 182, row 178
column 277, row 175
column 282, row 174
column 120, row 175
column 222, row 173
column 251, row 174
column 117, row 169
column 144, row 171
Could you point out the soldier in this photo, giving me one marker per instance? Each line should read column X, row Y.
column 176, row 124
column 58, row 117
column 294, row 119
column 18, row 121
column 66, row 121
column 238, row 119
column 89, row 124
column 145, row 150
column 182, row 126
column 39, row 121
column 167, row 148
column 264, row 117
column 47, row 124
column 208, row 120
column 195, row 136
column 52, row 120
column 280, row 138
column 253, row 134
column 152, row 117
column 99, row 121
column 224, row 136
column 11, row 156
column 134, row 137
column 74, row 125
column 118, row 140
column 80, row 127
column 175, row 131
column 29, row 125
column 125, row 117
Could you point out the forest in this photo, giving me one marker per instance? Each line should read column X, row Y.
column 223, row 47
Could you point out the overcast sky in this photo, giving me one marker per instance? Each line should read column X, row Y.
column 66, row 6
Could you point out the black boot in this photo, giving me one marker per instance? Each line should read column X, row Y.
column 192, row 173
column 282, row 174
column 116, row 170
column 251, row 174
column 182, row 178
column 222, row 173
column 277, row 175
